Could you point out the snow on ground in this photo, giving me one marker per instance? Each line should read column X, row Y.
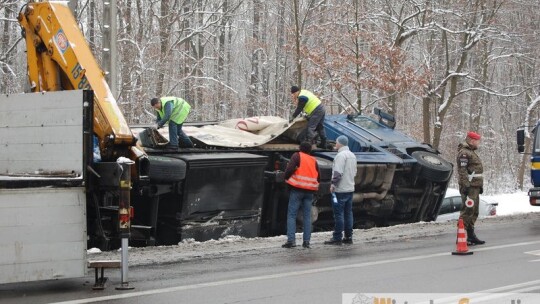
column 512, row 209
column 512, row 203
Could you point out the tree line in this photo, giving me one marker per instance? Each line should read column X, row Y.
column 441, row 67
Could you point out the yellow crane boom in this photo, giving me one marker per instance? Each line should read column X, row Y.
column 59, row 58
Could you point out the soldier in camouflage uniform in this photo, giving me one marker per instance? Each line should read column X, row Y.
column 471, row 183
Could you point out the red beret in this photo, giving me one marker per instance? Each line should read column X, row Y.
column 473, row 135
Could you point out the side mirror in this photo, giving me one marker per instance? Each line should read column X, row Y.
column 385, row 118
column 520, row 136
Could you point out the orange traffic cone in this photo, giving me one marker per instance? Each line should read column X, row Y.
column 461, row 243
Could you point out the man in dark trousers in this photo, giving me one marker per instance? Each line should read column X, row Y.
column 314, row 110
column 174, row 111
column 302, row 175
column 471, row 183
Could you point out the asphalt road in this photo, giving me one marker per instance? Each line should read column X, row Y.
column 508, row 263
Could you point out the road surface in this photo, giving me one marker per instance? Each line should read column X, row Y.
column 416, row 259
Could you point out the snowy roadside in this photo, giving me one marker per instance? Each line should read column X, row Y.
column 238, row 246
column 512, row 203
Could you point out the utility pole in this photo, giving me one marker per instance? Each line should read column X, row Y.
column 109, row 44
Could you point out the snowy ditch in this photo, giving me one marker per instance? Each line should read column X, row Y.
column 237, row 246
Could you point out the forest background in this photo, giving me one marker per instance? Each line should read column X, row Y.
column 441, row 67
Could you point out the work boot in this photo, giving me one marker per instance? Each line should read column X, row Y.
column 288, row 245
column 171, row 148
column 322, row 144
column 348, row 241
column 472, row 239
column 305, row 244
column 333, row 242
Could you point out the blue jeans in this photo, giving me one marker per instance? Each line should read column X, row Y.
column 175, row 132
column 297, row 198
column 343, row 215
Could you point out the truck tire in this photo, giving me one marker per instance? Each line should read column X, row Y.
column 166, row 169
column 324, row 188
column 325, row 169
column 432, row 167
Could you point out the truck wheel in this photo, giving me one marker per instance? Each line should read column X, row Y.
column 324, row 188
column 166, row 169
column 432, row 167
column 325, row 169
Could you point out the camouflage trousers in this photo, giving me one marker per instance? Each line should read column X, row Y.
column 470, row 214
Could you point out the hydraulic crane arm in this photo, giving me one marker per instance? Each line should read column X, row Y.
column 59, row 58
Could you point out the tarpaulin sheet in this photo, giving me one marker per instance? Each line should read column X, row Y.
column 243, row 132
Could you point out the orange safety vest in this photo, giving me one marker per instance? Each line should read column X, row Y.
column 305, row 176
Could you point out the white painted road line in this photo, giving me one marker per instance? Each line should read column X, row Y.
column 535, row 252
column 282, row 275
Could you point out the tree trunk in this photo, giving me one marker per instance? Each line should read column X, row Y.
column 164, row 45
column 297, row 42
column 254, row 75
column 426, row 119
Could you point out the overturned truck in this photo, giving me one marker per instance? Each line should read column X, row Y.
column 232, row 182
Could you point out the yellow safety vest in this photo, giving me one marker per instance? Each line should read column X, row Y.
column 312, row 103
column 180, row 109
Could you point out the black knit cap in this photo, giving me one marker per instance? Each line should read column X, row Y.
column 305, row 147
column 294, row 89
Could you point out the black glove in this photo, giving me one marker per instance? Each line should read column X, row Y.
column 481, row 190
column 466, row 191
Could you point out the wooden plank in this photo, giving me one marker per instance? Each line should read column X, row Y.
column 39, row 197
column 40, row 135
column 42, row 118
column 21, row 216
column 22, row 253
column 31, row 158
column 42, row 271
column 105, row 264
column 42, row 233
column 42, row 100
column 41, row 131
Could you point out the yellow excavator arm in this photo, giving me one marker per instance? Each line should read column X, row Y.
column 59, row 58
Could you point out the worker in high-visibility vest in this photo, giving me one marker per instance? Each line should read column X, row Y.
column 302, row 175
column 174, row 111
column 314, row 110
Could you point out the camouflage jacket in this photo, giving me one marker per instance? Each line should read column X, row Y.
column 469, row 167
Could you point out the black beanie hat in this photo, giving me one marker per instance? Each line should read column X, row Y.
column 294, row 89
column 305, row 147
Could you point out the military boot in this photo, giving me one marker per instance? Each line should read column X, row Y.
column 478, row 241
column 472, row 239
